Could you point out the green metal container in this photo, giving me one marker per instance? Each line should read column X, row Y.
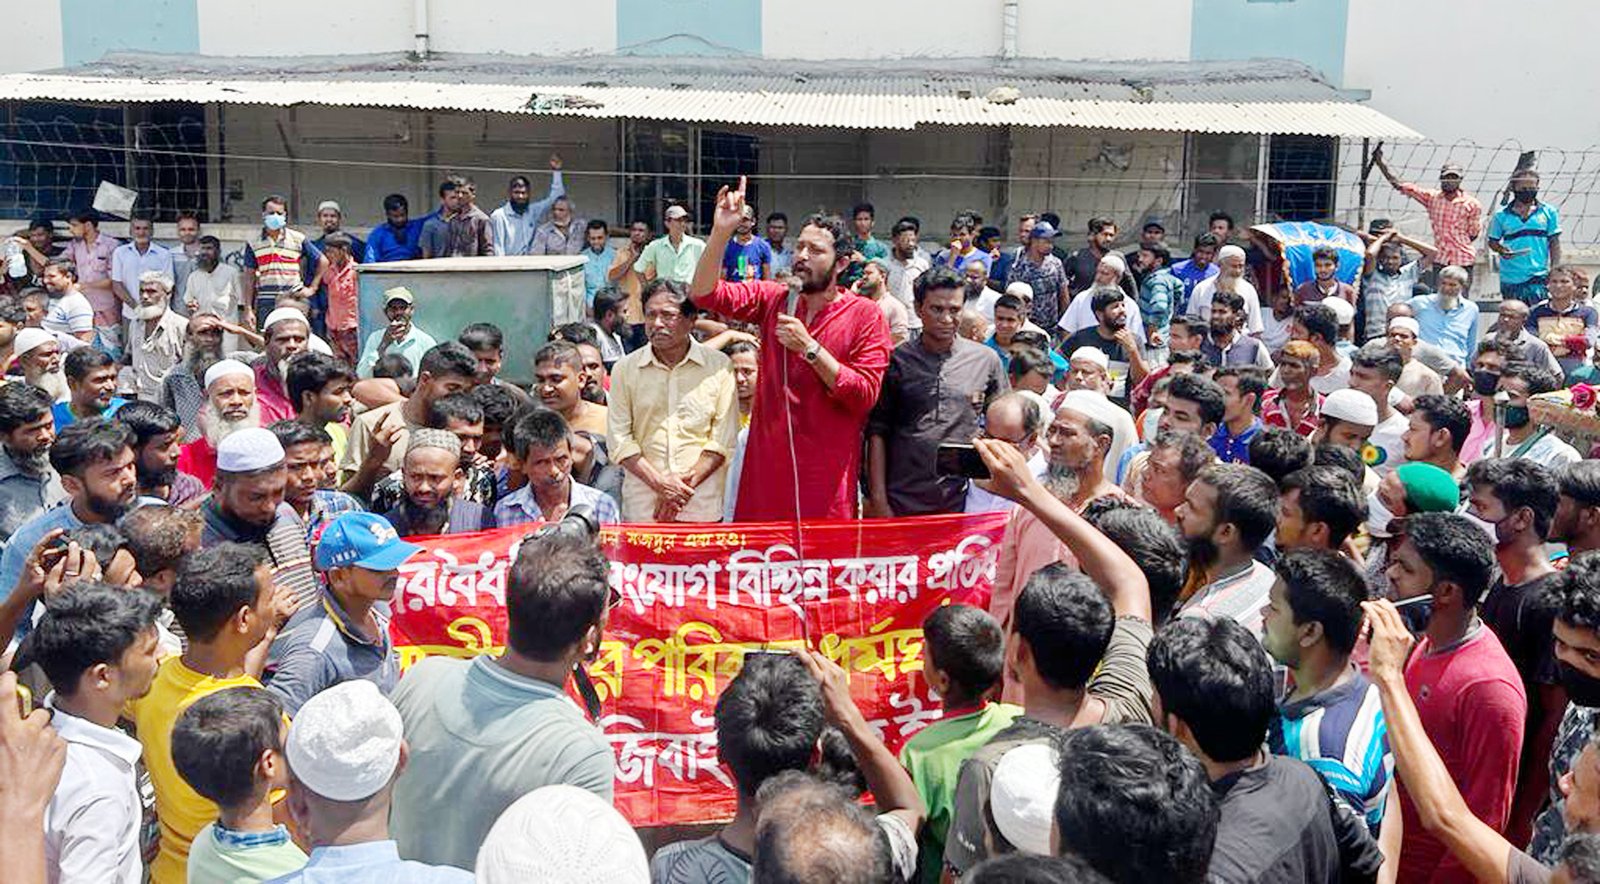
column 525, row 295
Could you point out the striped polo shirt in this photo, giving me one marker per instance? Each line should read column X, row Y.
column 1340, row 733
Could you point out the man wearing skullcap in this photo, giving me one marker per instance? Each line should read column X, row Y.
column 1416, row 377
column 1229, row 278
column 345, row 750
column 38, row 354
column 247, row 506
column 230, row 406
column 561, row 834
column 287, row 331
column 432, row 481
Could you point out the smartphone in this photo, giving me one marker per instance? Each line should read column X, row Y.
column 956, row 459
column 1414, row 612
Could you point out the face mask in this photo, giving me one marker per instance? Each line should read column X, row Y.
column 1152, row 416
column 1526, row 196
column 1488, row 527
column 274, row 221
column 1516, row 417
column 1378, row 516
column 1581, row 689
column 1484, row 383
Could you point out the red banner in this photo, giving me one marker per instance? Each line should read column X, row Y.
column 694, row 599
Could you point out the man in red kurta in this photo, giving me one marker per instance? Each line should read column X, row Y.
column 822, row 362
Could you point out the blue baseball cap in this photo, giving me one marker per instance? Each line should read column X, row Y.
column 1043, row 230
column 362, row 540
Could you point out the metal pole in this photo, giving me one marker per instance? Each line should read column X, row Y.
column 1361, row 188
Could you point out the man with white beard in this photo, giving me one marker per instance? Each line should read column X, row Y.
column 230, row 406
column 156, row 337
column 38, row 354
column 1229, row 278
column 1080, row 438
column 183, row 387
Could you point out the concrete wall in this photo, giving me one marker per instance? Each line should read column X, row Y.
column 363, row 154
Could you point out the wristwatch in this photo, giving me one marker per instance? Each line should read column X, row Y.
column 813, row 351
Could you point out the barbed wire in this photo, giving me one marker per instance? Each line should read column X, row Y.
column 52, row 165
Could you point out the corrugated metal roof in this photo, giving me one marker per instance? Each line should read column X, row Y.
column 1269, row 97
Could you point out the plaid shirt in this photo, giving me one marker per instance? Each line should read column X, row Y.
column 1274, row 415
column 1456, row 222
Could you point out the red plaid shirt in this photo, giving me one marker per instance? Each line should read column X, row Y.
column 1274, row 415
column 1456, row 222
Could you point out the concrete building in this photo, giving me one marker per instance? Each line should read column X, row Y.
column 1157, row 110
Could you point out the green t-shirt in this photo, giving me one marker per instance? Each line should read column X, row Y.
column 933, row 756
column 873, row 248
column 223, row 856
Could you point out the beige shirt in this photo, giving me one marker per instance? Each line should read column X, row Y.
column 1417, row 379
column 216, row 292
column 669, row 416
column 361, row 432
column 155, row 354
column 897, row 316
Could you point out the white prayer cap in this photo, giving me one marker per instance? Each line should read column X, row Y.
column 1115, row 260
column 1405, row 323
column 561, row 834
column 285, row 313
column 1022, row 796
column 1091, row 354
column 318, row 345
column 329, row 206
column 1351, row 405
column 1229, row 251
column 246, row 451
column 345, row 742
column 1020, row 289
column 29, row 339
column 226, row 368
column 1344, row 312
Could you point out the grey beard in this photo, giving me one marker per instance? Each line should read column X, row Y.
column 32, row 464
column 1061, row 482
column 199, row 360
column 429, row 517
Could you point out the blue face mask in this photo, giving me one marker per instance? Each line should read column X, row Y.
column 274, row 221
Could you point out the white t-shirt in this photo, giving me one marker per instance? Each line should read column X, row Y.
column 1274, row 332
column 69, row 315
column 1200, row 303
column 1386, row 438
column 1079, row 315
column 1337, row 379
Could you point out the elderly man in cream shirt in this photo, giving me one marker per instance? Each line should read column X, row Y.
column 673, row 416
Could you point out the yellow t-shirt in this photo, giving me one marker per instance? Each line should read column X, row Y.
column 181, row 810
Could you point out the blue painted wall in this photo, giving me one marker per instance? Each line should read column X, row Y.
column 1311, row 31
column 689, row 27
column 91, row 28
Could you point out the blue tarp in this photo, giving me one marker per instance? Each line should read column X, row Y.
column 1298, row 239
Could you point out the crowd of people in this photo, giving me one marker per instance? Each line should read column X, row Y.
column 1291, row 587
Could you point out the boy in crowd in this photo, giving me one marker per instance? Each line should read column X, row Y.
column 224, row 601
column 97, row 645
column 964, row 653
column 229, row 747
